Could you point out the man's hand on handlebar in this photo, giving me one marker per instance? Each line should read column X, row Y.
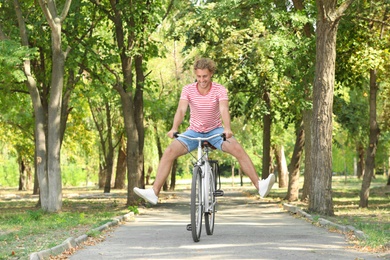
column 228, row 133
column 171, row 133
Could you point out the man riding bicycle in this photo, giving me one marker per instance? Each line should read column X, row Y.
column 209, row 107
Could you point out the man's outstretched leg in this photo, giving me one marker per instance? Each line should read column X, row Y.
column 174, row 150
column 234, row 148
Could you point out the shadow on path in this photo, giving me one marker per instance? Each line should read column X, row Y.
column 246, row 228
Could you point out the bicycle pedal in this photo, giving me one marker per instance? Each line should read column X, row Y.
column 218, row 193
column 189, row 227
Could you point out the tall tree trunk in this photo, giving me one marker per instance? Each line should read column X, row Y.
column 281, row 165
column 125, row 90
column 308, row 32
column 307, row 115
column 328, row 19
column 54, row 116
column 373, row 142
column 321, row 154
column 55, row 103
column 139, row 115
column 132, row 146
column 266, row 136
column 294, row 166
column 40, row 119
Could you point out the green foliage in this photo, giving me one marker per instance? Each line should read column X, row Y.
column 133, row 209
column 12, row 55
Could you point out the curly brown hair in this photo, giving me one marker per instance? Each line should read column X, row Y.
column 205, row 63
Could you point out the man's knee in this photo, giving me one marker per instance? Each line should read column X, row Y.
column 232, row 146
column 174, row 150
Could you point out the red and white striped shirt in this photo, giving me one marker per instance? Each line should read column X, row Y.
column 204, row 109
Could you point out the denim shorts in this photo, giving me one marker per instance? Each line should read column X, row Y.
column 193, row 144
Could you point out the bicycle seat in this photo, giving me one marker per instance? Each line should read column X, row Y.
column 207, row 144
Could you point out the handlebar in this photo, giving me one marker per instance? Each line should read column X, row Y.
column 177, row 134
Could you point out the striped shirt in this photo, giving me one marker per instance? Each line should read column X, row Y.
column 204, row 109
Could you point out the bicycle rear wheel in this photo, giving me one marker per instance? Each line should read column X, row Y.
column 196, row 204
column 209, row 217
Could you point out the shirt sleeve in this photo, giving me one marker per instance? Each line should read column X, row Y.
column 223, row 94
column 184, row 93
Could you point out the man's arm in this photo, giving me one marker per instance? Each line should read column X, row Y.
column 225, row 114
column 179, row 116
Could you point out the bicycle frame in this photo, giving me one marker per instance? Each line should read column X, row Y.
column 202, row 162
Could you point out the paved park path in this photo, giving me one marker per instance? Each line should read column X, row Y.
column 246, row 228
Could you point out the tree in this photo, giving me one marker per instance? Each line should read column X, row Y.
column 47, row 140
column 110, row 132
column 328, row 18
column 131, row 25
column 360, row 69
column 374, row 127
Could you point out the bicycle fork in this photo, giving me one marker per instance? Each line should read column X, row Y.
column 205, row 188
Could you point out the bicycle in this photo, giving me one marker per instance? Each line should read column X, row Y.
column 204, row 187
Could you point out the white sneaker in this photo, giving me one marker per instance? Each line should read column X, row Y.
column 266, row 185
column 147, row 195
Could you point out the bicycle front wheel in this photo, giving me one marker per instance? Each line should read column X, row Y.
column 196, row 204
column 209, row 216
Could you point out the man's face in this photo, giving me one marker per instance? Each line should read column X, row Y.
column 203, row 77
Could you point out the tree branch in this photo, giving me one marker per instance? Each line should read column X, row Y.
column 65, row 10
column 340, row 11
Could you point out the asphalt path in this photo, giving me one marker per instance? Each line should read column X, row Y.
column 246, row 228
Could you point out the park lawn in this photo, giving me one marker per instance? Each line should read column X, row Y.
column 374, row 221
column 25, row 229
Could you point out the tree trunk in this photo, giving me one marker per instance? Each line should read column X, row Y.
column 372, row 147
column 124, row 86
column 54, row 116
column 321, row 154
column 102, row 176
column 36, row 183
column 120, row 167
column 281, row 165
column 308, row 32
column 266, row 136
column 109, row 157
column 173, row 176
column 139, row 115
column 55, row 103
column 361, row 162
column 158, row 142
column 294, row 166
column 307, row 115
column 40, row 120
column 22, row 174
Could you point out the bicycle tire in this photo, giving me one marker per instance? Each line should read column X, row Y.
column 196, row 204
column 209, row 217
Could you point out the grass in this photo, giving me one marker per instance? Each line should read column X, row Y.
column 374, row 221
column 25, row 229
